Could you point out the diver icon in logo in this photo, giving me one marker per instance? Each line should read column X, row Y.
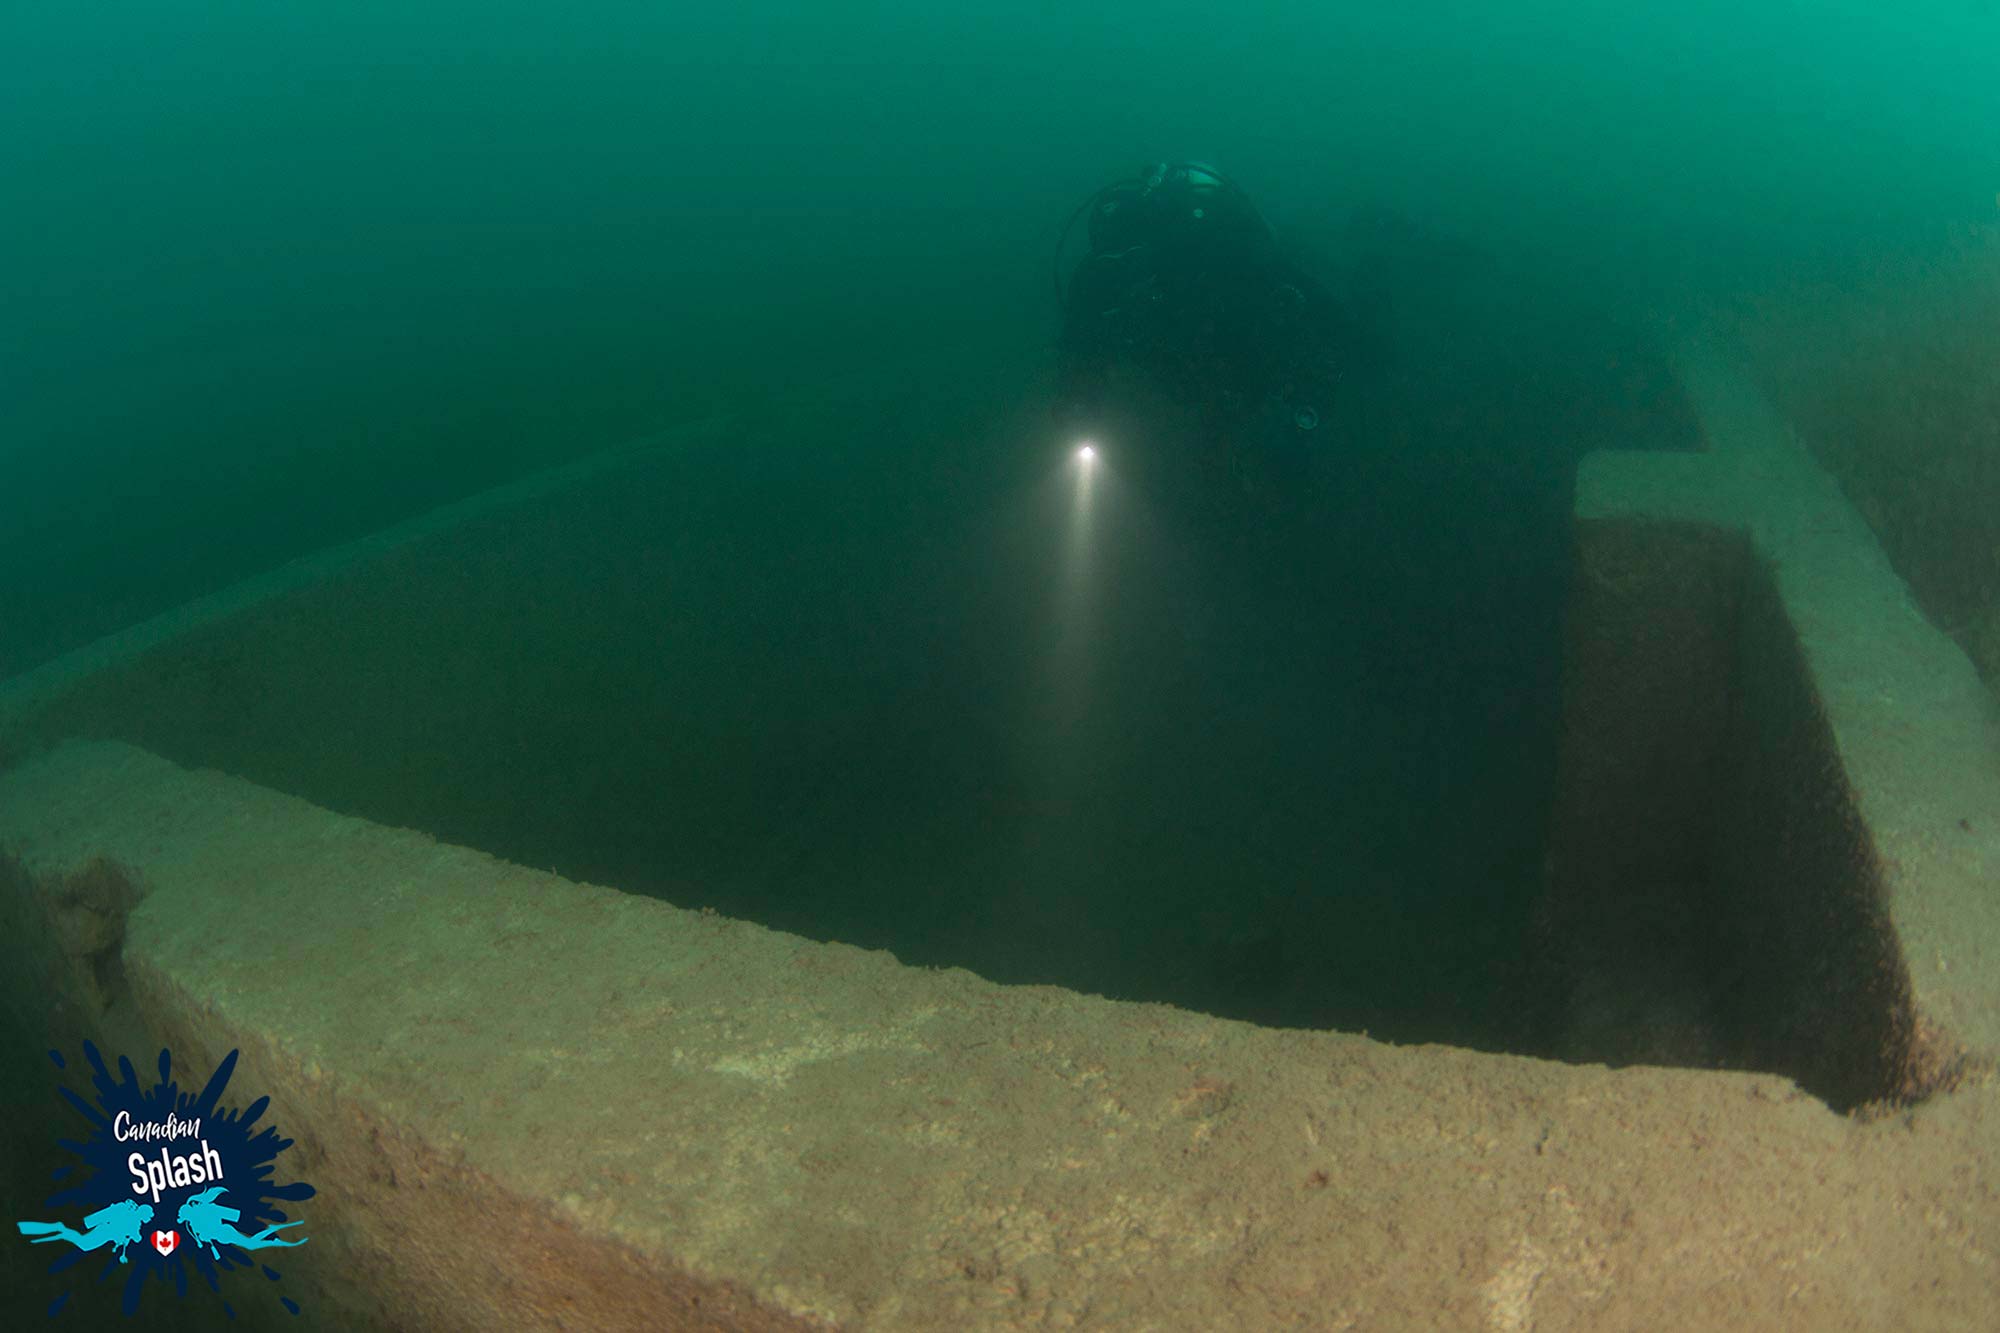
column 211, row 1224
column 121, row 1225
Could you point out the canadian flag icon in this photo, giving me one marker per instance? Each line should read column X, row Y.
column 164, row 1241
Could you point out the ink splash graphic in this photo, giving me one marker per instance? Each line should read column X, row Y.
column 194, row 1198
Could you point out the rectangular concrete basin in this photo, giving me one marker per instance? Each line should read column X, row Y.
column 530, row 1102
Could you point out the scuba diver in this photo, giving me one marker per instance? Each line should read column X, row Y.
column 1184, row 294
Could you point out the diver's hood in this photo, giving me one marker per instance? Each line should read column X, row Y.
column 1194, row 177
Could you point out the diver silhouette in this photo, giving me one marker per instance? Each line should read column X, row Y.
column 120, row 1225
column 212, row 1224
column 1185, row 288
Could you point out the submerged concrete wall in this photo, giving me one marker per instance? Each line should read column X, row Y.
column 1778, row 780
column 533, row 1103
column 528, row 1103
column 655, row 670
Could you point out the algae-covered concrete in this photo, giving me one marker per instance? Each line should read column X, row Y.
column 1885, row 366
column 533, row 1103
column 528, row 1103
column 1781, row 788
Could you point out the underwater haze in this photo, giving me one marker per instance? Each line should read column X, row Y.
column 664, row 404
column 277, row 277
column 273, row 275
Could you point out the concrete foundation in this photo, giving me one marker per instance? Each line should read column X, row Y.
column 534, row 1103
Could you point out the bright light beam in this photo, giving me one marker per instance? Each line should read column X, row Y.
column 1078, row 552
column 1073, row 613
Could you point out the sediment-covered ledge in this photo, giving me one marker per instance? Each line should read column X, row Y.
column 1780, row 784
column 532, row 1103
